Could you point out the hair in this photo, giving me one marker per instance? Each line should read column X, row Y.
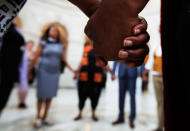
column 46, row 34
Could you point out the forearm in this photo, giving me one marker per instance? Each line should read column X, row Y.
column 132, row 7
column 138, row 4
column 114, row 68
column 107, row 68
column 87, row 6
column 36, row 56
column 33, row 63
column 79, row 67
column 68, row 66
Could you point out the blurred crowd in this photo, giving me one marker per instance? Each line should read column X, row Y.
column 118, row 34
column 25, row 65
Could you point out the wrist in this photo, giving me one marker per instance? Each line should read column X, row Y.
column 112, row 73
column 72, row 70
column 87, row 6
column 92, row 8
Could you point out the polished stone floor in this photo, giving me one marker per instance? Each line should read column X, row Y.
column 64, row 109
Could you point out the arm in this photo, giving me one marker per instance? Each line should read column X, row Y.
column 36, row 56
column 138, row 5
column 64, row 59
column 113, row 76
column 141, row 69
column 111, row 29
column 114, row 68
column 135, row 6
column 77, row 71
column 87, row 6
column 107, row 68
column 79, row 67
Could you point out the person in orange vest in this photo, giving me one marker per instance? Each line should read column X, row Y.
column 155, row 64
column 90, row 79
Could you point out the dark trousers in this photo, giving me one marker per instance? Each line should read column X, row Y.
column 89, row 92
column 124, row 85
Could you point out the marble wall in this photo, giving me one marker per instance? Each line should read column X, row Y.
column 37, row 13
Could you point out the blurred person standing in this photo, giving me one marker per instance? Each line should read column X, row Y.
column 10, row 60
column 106, row 69
column 23, row 80
column 90, row 80
column 155, row 64
column 51, row 52
column 144, row 76
column 127, row 81
column 30, row 56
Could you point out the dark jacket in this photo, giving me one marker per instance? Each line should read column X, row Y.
column 175, row 26
column 11, row 52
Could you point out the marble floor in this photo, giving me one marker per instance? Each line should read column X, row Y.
column 64, row 109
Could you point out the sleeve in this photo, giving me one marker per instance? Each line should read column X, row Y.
column 9, row 9
column 141, row 69
column 114, row 68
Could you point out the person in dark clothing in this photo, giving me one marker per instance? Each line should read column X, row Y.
column 90, row 80
column 144, row 77
column 10, row 59
column 30, row 56
column 127, row 82
column 175, row 26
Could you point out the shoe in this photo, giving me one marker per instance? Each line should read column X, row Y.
column 158, row 129
column 47, row 122
column 118, row 122
column 131, row 124
column 94, row 118
column 37, row 123
column 77, row 118
column 22, row 106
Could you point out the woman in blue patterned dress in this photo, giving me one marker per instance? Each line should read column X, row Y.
column 51, row 52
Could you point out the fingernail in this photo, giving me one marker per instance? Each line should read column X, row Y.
column 137, row 31
column 123, row 54
column 128, row 43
